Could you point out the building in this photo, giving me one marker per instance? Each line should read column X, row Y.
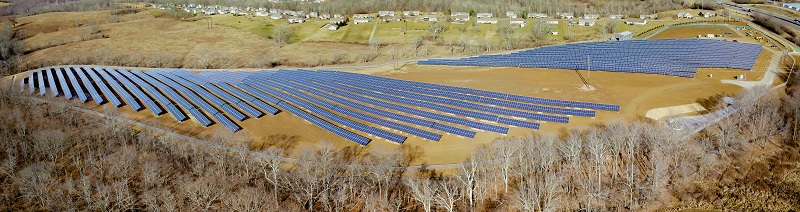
column 411, row 13
column 636, row 22
column 552, row 22
column 484, row 15
column 429, row 18
column 361, row 16
column 459, row 18
column 312, row 15
column 386, row 13
column 390, row 18
column 616, row 16
column 591, row 16
column 683, row 15
column 587, row 22
column 275, row 16
column 295, row 20
column 517, row 21
column 331, row 27
column 361, row 20
column 337, row 21
column 566, row 15
column 707, row 14
column 324, row 16
column 650, row 16
column 487, row 20
column 626, row 35
column 536, row 15
column 459, row 14
column 262, row 14
column 511, row 14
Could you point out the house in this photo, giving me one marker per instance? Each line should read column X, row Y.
column 429, row 18
column 651, row 16
column 459, row 19
column 289, row 12
column 211, row 12
column 707, row 14
column 484, row 15
column 361, row 20
column 411, row 13
column 339, row 16
column 324, row 16
column 487, row 20
column 331, row 27
column 511, row 14
column 337, row 21
column 536, row 15
column 626, row 35
column 566, row 15
column 517, row 21
column 386, row 13
column 551, row 22
column 616, row 16
column 363, row 16
column 262, row 14
column 591, row 16
column 459, row 14
column 636, row 22
column 587, row 22
column 312, row 15
column 295, row 20
column 684, row 15
column 390, row 18
column 273, row 10
column 275, row 16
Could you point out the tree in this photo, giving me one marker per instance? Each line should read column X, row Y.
column 540, row 31
column 271, row 169
column 437, row 28
column 422, row 191
column 247, row 199
column 505, row 34
column 447, row 194
column 204, row 192
column 282, row 35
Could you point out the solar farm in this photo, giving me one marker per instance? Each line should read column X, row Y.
column 673, row 57
column 357, row 107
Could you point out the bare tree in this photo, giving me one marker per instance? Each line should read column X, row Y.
column 436, row 29
column 271, row 169
column 282, row 35
column 447, row 194
column 247, row 200
column 423, row 191
column 506, row 150
column 204, row 192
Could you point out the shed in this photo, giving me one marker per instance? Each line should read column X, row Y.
column 537, row 15
column 386, row 13
column 683, row 15
column 484, row 15
column 566, row 15
column 587, row 22
column 361, row 20
column 517, row 21
column 626, row 35
column 487, row 20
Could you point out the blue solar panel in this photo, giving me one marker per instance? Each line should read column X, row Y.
column 64, row 84
column 52, row 80
column 110, row 95
column 137, row 92
column 119, row 89
column 361, row 140
column 76, row 85
column 139, row 78
column 89, row 86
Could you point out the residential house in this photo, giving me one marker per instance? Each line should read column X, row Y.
column 636, row 22
column 484, row 15
column 411, row 13
column 511, row 14
column 295, row 20
column 618, row 16
column 459, row 18
column 591, row 16
column 707, row 14
column 386, row 13
column 566, row 15
column 587, row 22
column 684, row 15
column 650, row 16
column 429, row 18
column 275, row 16
column 537, row 15
column 487, row 20
column 517, row 21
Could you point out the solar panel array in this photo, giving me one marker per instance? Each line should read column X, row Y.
column 353, row 106
column 674, row 57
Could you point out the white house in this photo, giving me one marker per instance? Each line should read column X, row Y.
column 312, row 15
column 591, row 16
column 275, row 16
column 262, row 14
column 616, row 16
column 390, row 18
column 566, row 15
column 386, row 13
column 459, row 19
column 361, row 16
column 211, row 12
column 636, row 22
column 517, row 21
column 484, row 15
column 459, row 13
column 707, row 14
column 295, row 20
column 487, row 20
column 429, row 18
column 511, row 14
column 273, row 10
column 537, row 15
column 626, row 35
column 337, row 21
column 683, row 15
column 587, row 22
column 361, row 20
column 553, row 22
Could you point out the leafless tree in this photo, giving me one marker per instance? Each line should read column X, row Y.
column 281, row 35
column 506, row 150
column 271, row 169
column 447, row 194
column 204, row 192
column 247, row 200
column 423, row 191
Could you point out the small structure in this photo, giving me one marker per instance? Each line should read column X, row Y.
column 459, row 14
column 275, row 16
column 536, row 15
column 355, row 16
column 686, row 15
column 331, row 27
column 650, row 16
column 587, row 22
column 566, row 15
column 616, row 16
column 517, row 21
column 312, row 15
column 262, row 14
column 626, row 35
column 459, row 18
column 552, row 22
column 390, row 18
column 487, row 21
column 484, row 15
column 361, row 20
column 295, row 20
column 411, row 13
column 591, row 16
column 511, row 14
column 707, row 14
column 338, row 21
column 429, row 18
column 386, row 14
column 636, row 22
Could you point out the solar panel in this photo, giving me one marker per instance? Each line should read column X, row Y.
column 139, row 78
column 52, row 80
column 119, row 89
column 76, row 85
column 110, row 95
column 65, row 89
column 137, row 93
column 32, row 81
column 42, row 85
column 89, row 85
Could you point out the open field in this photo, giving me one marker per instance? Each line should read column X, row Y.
column 778, row 10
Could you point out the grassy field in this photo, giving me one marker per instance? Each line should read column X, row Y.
column 778, row 10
